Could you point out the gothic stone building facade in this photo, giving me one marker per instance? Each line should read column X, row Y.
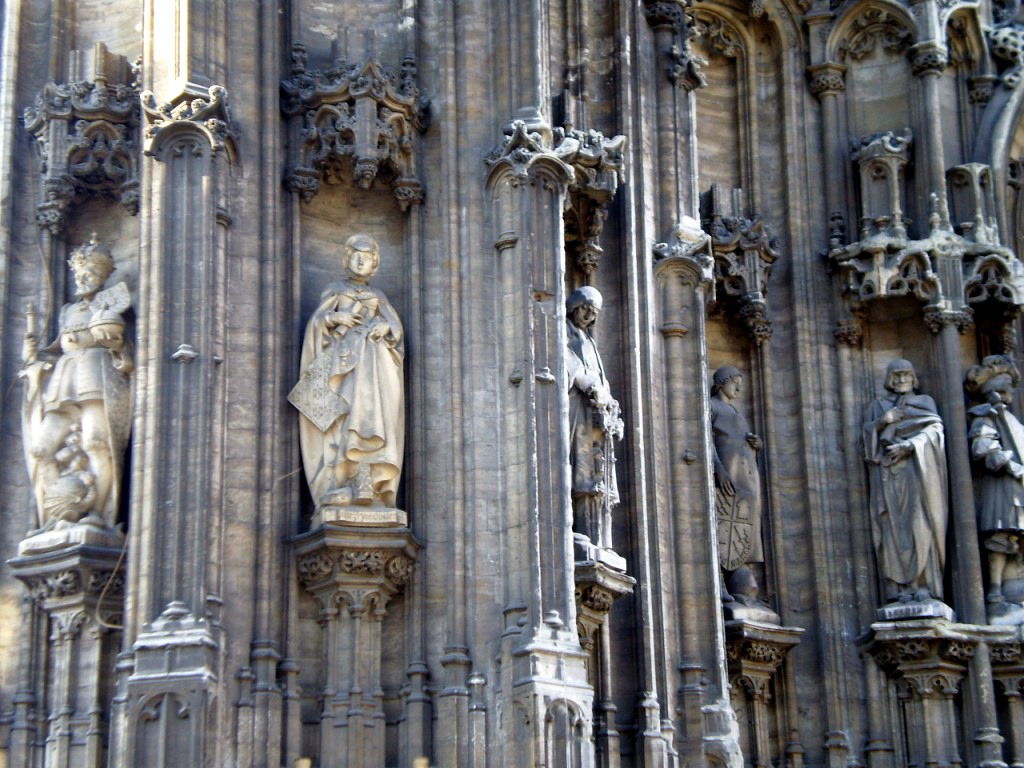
column 511, row 383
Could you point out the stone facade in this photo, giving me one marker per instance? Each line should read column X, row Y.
column 488, row 531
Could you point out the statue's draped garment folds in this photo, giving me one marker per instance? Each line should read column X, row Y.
column 350, row 397
column 594, row 422
column 907, row 490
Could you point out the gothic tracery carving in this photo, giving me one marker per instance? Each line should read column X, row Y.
column 875, row 27
column 86, row 133
column 359, row 115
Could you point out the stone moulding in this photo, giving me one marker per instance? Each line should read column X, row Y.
column 86, row 134
column 193, row 110
column 363, row 115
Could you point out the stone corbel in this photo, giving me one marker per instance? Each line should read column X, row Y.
column 755, row 652
column 927, row 659
column 598, row 164
column 359, row 115
column 205, row 112
column 744, row 251
column 353, row 573
column 86, row 133
column 80, row 590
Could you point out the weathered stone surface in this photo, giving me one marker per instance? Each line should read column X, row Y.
column 451, row 597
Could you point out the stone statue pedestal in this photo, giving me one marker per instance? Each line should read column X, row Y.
column 1005, row 614
column 916, row 609
column 80, row 591
column 753, row 612
column 755, row 651
column 82, row 533
column 927, row 659
column 585, row 552
column 353, row 572
column 363, row 516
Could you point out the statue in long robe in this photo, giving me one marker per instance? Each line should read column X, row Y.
column 997, row 447
column 76, row 415
column 594, row 422
column 350, row 391
column 737, row 480
column 904, row 447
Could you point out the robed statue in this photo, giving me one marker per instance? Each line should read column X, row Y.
column 77, row 408
column 997, row 447
column 904, row 447
column 737, row 496
column 594, row 422
column 350, row 390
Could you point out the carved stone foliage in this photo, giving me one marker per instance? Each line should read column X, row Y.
column 716, row 33
column 685, row 67
column 358, row 116
column 321, row 566
column 206, row 112
column 875, row 27
column 86, row 133
column 691, row 246
column 597, row 164
column 744, row 251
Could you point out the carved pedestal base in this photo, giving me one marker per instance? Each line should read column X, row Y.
column 755, row 650
column 923, row 609
column 927, row 658
column 353, row 572
column 81, row 591
column 169, row 694
column 69, row 535
column 598, row 586
column 363, row 516
column 547, row 699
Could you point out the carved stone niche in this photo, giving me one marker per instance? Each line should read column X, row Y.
column 598, row 164
column 86, row 133
column 927, row 659
column 755, row 651
column 972, row 203
column 363, row 115
column 353, row 573
column 881, row 159
column 80, row 590
column 744, row 251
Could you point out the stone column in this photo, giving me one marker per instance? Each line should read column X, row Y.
column 967, row 581
column 175, row 695
column 547, row 698
column 80, row 591
column 353, row 572
column 683, row 272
